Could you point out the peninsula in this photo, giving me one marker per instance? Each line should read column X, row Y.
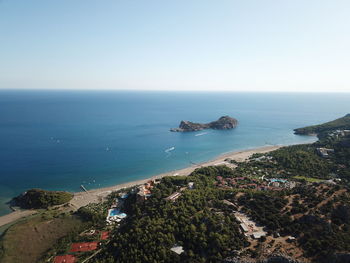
column 38, row 198
column 321, row 130
column 223, row 123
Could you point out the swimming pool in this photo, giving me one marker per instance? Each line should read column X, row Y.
column 278, row 180
column 113, row 212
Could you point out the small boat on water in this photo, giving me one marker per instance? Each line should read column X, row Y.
column 200, row 134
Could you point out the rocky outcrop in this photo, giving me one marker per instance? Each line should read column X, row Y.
column 224, row 123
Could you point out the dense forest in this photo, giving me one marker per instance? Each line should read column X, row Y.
column 195, row 221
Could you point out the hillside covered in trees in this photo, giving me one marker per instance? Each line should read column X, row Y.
column 342, row 123
column 38, row 198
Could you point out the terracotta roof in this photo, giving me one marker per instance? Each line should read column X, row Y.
column 82, row 247
column 104, row 235
column 64, row 259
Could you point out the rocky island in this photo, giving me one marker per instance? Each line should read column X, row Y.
column 223, row 123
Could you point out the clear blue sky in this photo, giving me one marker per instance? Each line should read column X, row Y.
column 283, row 45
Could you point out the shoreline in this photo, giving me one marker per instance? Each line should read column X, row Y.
column 97, row 195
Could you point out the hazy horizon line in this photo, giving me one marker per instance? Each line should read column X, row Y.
column 174, row 90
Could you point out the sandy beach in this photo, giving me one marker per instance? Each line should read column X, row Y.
column 93, row 196
column 9, row 218
column 97, row 195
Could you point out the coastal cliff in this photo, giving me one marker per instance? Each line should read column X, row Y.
column 223, row 123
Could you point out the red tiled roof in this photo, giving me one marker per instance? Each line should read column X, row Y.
column 82, row 247
column 64, row 259
column 104, row 235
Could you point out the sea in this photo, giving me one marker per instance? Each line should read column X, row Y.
column 59, row 140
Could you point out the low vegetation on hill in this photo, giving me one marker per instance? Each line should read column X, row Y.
column 316, row 216
column 29, row 240
column 37, row 198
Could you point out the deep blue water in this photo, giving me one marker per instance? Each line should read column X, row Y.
column 58, row 140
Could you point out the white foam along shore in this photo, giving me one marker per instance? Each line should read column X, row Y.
column 96, row 195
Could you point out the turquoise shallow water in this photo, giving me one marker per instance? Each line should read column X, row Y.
column 58, row 140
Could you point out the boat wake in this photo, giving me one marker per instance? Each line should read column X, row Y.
column 201, row 134
column 170, row 149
